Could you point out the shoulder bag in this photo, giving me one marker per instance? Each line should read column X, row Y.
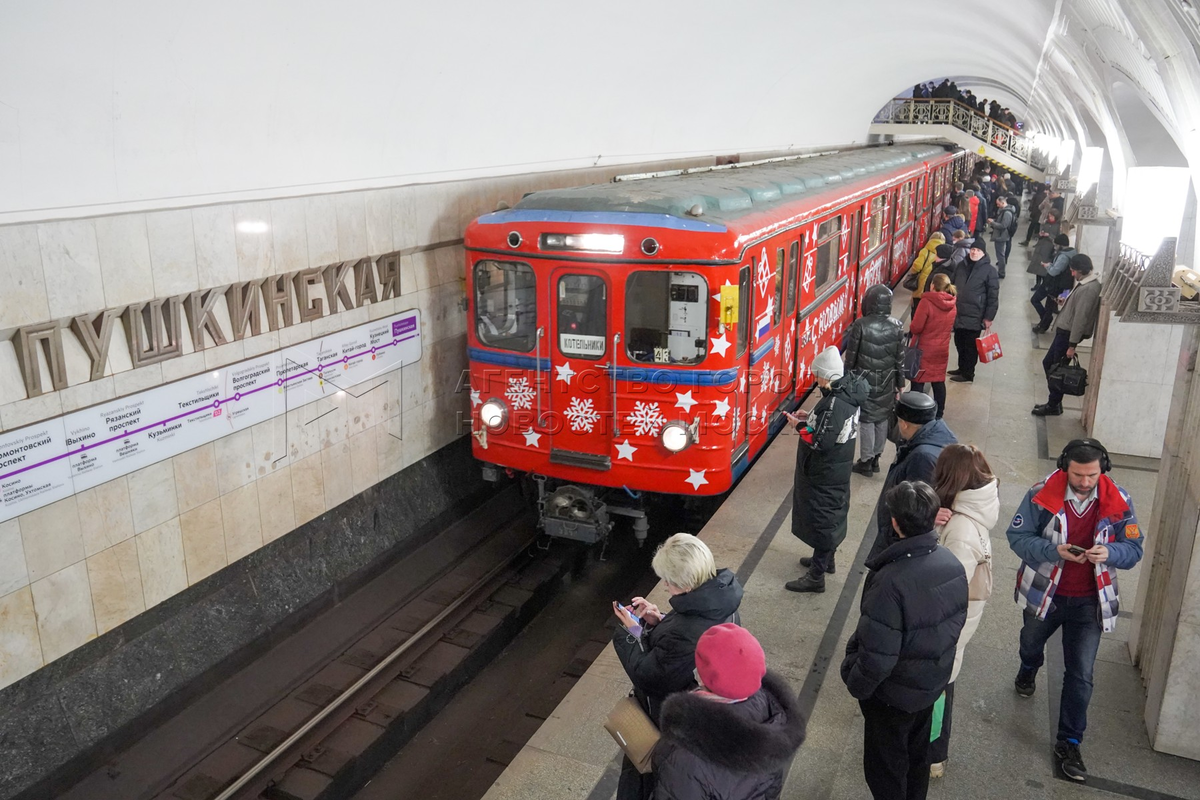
column 1068, row 378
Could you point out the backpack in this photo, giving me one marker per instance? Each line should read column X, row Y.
column 1016, row 212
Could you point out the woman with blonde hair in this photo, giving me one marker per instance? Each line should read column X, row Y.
column 932, row 329
column 658, row 650
column 922, row 265
column 970, row 496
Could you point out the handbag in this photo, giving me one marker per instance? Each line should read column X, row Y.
column 912, row 359
column 988, row 347
column 634, row 732
column 911, row 281
column 1068, row 378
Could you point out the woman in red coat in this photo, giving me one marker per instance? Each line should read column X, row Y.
column 932, row 329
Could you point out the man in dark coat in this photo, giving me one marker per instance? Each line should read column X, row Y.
column 1002, row 226
column 978, row 288
column 875, row 349
column 922, row 437
column 821, row 496
column 900, row 657
column 731, row 739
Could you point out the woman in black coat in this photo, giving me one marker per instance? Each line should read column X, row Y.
column 821, row 495
column 659, row 653
column 875, row 349
column 733, row 738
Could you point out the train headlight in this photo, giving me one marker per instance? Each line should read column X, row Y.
column 493, row 413
column 593, row 242
column 676, row 437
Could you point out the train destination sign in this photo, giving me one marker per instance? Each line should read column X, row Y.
column 50, row 460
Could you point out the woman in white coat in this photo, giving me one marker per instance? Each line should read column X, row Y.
column 970, row 496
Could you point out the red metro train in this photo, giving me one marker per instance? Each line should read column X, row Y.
column 645, row 335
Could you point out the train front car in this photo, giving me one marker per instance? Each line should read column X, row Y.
column 599, row 359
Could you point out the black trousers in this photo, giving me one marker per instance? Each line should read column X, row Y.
column 820, row 562
column 939, row 748
column 968, row 355
column 896, row 751
column 939, row 394
column 1034, row 229
column 1043, row 301
column 1055, row 356
column 633, row 785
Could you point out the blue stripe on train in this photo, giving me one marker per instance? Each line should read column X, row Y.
column 653, row 375
column 762, row 351
column 637, row 219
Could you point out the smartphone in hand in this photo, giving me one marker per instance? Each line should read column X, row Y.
column 1075, row 550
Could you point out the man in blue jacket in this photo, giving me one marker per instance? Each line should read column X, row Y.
column 1073, row 531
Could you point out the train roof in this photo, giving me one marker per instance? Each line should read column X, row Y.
column 727, row 194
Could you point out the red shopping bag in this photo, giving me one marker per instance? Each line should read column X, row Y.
column 988, row 346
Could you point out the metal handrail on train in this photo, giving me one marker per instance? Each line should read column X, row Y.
column 351, row 693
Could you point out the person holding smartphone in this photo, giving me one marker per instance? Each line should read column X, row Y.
column 1073, row 531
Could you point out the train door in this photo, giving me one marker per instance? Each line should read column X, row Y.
column 582, row 355
column 742, row 404
column 902, row 232
column 788, row 329
column 922, row 213
column 766, row 348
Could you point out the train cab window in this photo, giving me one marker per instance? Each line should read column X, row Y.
column 875, row 224
column 793, row 263
column 743, row 323
column 779, row 259
column 506, row 305
column 666, row 317
column 582, row 310
column 829, row 243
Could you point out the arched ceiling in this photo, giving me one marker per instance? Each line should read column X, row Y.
column 125, row 104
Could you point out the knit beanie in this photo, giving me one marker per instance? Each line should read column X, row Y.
column 944, row 251
column 828, row 365
column 916, row 407
column 730, row 661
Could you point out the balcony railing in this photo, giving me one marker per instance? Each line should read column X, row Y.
column 943, row 111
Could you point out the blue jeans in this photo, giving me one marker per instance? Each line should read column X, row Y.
column 1080, row 623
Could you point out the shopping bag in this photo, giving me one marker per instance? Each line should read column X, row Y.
column 912, row 359
column 939, row 714
column 633, row 731
column 1068, row 378
column 988, row 346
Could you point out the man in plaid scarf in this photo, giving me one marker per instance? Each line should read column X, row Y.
column 1072, row 532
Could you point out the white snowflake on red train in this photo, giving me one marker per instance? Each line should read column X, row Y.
column 582, row 414
column 646, row 418
column 520, row 393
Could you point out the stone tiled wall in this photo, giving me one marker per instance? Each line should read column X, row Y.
column 84, row 565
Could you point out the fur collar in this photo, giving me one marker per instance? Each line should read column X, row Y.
column 724, row 735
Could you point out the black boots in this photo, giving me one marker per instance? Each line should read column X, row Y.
column 806, row 562
column 863, row 468
column 874, row 470
column 807, row 583
column 1046, row 410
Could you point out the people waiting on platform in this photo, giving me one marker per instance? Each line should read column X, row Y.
column 1040, row 192
column 970, row 498
column 952, row 221
column 1072, row 532
column 932, row 328
column 1002, row 230
column 1076, row 322
column 1043, row 248
column 901, row 655
column 961, row 242
column 1056, row 279
column 875, row 347
column 921, row 439
column 734, row 736
column 658, row 650
column 973, row 217
column 824, row 457
column 922, row 265
column 978, row 288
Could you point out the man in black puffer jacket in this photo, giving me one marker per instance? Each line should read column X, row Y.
column 978, row 288
column 875, row 350
column 899, row 659
column 731, row 739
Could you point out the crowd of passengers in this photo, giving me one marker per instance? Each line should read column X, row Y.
column 729, row 728
column 948, row 90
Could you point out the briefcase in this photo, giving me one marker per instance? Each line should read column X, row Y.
column 1068, row 378
column 633, row 730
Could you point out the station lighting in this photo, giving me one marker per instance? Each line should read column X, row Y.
column 1066, row 154
column 1089, row 169
column 253, row 226
column 676, row 437
column 494, row 413
column 593, row 242
column 1154, row 201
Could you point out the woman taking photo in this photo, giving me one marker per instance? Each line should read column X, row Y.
column 970, row 496
column 659, row 652
column 932, row 329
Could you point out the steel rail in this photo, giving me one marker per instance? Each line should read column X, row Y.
column 285, row 749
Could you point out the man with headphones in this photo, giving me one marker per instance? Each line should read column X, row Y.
column 1072, row 531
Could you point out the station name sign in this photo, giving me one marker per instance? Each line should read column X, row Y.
column 155, row 330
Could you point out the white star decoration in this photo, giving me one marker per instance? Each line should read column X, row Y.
column 717, row 296
column 531, row 437
column 696, row 478
column 625, row 451
column 720, row 345
column 475, row 398
column 565, row 373
column 684, row 400
column 721, row 408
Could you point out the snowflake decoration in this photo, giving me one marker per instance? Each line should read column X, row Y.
column 646, row 419
column 787, row 349
column 768, row 377
column 762, row 277
column 520, row 393
column 582, row 414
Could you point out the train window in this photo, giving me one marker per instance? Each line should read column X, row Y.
column 875, row 224
column 903, row 204
column 743, row 323
column 779, row 257
column 793, row 263
column 582, row 316
column 506, row 305
column 829, row 242
column 666, row 317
